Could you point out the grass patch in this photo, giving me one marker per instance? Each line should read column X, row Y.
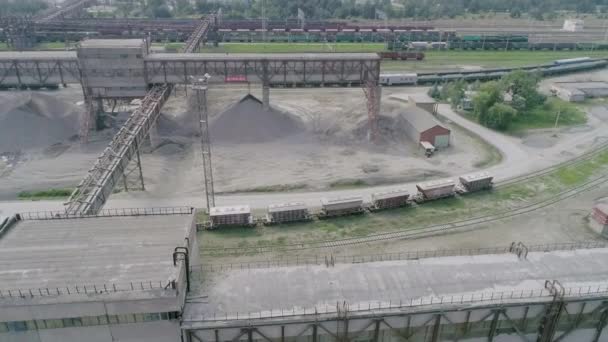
column 435, row 60
column 50, row 193
column 544, row 116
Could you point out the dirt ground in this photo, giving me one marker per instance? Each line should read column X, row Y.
column 312, row 139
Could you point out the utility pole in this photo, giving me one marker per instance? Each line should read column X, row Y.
column 200, row 88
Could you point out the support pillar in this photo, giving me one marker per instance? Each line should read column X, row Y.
column 266, row 96
column 153, row 134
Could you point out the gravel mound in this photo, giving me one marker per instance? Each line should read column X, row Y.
column 33, row 121
column 247, row 122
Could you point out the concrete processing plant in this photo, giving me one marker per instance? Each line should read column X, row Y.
column 120, row 262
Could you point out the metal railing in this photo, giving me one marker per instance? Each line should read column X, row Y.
column 50, row 215
column 469, row 298
column 330, row 260
column 90, row 289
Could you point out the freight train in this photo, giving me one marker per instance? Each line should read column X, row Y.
column 555, row 68
column 341, row 206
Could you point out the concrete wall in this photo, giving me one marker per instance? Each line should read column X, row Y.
column 158, row 331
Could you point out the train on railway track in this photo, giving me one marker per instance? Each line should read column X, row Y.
column 554, row 68
column 241, row 215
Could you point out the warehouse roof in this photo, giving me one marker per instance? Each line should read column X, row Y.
column 357, row 284
column 420, row 119
column 261, row 56
column 66, row 254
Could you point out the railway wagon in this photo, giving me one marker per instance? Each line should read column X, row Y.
column 287, row 212
column 332, row 207
column 230, row 216
column 435, row 190
column 475, row 182
column 390, row 199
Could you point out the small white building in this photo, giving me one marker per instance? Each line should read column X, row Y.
column 579, row 91
column 574, row 25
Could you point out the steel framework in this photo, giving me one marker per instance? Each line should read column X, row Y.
column 505, row 319
column 200, row 88
column 92, row 192
column 121, row 159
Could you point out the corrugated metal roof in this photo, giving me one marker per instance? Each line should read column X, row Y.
column 420, row 119
column 261, row 56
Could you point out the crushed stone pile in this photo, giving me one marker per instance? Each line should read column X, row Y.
column 34, row 121
column 247, row 122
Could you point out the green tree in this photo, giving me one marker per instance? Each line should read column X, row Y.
column 523, row 84
column 499, row 116
column 489, row 94
column 434, row 92
column 455, row 92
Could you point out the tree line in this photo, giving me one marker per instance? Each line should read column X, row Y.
column 495, row 104
column 354, row 9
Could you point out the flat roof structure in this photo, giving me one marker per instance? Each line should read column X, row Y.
column 38, row 55
column 292, row 288
column 115, row 257
column 111, row 43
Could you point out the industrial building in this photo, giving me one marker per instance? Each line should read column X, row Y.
column 423, row 101
column 422, row 126
column 534, row 293
column 119, row 276
column 579, row 91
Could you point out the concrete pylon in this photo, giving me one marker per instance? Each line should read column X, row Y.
column 266, row 97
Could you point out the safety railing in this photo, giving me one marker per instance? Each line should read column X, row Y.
column 469, row 298
column 50, row 215
column 86, row 289
column 330, row 260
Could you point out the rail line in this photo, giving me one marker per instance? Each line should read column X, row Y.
column 550, row 169
column 417, row 232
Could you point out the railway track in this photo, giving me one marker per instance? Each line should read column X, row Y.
column 450, row 227
column 548, row 170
